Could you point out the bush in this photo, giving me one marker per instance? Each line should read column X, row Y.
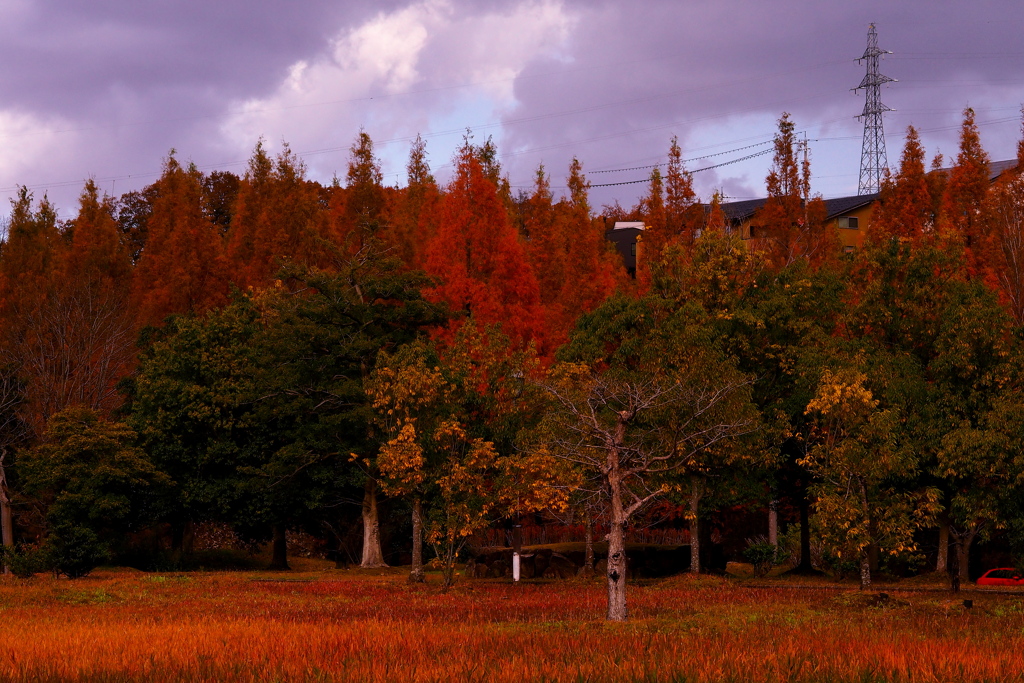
column 23, row 560
column 763, row 555
column 73, row 551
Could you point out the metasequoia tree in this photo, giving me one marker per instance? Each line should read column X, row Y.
column 861, row 461
column 681, row 209
column 641, row 398
column 411, row 214
column 1005, row 208
column 791, row 223
column 357, row 210
column 182, row 267
column 964, row 198
column 79, row 341
column 477, row 256
column 277, row 217
column 905, row 209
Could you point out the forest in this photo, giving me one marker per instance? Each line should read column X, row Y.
column 393, row 371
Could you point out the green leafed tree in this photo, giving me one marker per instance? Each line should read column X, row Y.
column 96, row 486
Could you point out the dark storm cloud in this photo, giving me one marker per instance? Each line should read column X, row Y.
column 105, row 89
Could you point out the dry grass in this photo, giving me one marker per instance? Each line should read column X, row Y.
column 317, row 624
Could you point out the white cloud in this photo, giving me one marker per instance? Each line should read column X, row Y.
column 26, row 140
column 432, row 65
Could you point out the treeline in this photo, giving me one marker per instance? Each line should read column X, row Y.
column 272, row 353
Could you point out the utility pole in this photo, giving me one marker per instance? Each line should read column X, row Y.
column 873, row 161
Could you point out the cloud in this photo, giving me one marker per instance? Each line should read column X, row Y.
column 420, row 69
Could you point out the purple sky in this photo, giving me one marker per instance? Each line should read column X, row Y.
column 105, row 89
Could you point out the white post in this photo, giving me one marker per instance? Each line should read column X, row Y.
column 515, row 567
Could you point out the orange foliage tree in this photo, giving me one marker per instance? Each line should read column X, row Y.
column 182, row 268
column 277, row 216
column 964, row 198
column 791, row 223
column 411, row 215
column 478, row 257
column 1006, row 212
column 905, row 210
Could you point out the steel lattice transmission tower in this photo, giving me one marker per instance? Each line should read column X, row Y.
column 873, row 161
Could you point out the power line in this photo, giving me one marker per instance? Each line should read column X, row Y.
column 699, row 170
column 704, row 156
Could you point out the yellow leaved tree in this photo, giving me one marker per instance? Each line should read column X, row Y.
column 866, row 500
column 446, row 443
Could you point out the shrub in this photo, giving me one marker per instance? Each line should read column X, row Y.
column 763, row 555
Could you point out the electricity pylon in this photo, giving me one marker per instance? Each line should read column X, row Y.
column 873, row 161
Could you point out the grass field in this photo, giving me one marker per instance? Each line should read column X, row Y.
column 319, row 624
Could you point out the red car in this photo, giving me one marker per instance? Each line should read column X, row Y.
column 1002, row 577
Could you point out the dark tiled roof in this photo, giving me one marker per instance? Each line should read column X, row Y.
column 841, row 205
column 737, row 212
column 995, row 168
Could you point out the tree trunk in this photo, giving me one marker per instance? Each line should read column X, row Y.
column 372, row 555
column 940, row 564
column 588, row 542
column 6, row 521
column 963, row 549
column 616, row 555
column 773, row 523
column 695, row 496
column 865, row 570
column 279, row 561
column 416, row 573
column 954, row 570
column 865, row 553
column 805, row 566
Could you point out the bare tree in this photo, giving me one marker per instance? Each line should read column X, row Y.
column 636, row 436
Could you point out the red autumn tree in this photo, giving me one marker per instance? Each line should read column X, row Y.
column 356, row 211
column 277, row 217
column 412, row 214
column 682, row 219
column 79, row 341
column 792, row 225
column 182, row 268
column 478, row 257
column 1005, row 209
column 963, row 201
column 905, row 210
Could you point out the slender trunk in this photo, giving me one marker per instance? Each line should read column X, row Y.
column 279, row 562
column 616, row 555
column 805, row 565
column 588, row 541
column 865, row 553
column 6, row 521
column 372, row 554
column 954, row 567
column 865, row 570
column 963, row 549
column 940, row 564
column 695, row 496
column 416, row 573
column 773, row 522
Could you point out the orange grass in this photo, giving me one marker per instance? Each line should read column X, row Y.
column 352, row 626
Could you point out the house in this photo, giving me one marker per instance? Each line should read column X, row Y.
column 626, row 235
column 850, row 215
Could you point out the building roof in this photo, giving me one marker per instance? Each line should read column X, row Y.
column 737, row 212
column 624, row 225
